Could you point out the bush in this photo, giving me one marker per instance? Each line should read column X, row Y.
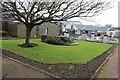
column 3, row 33
column 53, row 40
column 43, row 37
column 56, row 40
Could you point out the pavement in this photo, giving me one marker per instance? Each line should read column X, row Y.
column 110, row 69
column 12, row 69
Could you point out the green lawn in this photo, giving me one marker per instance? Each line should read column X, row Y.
column 51, row 54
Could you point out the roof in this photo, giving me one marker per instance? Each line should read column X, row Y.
column 79, row 27
column 114, row 28
column 91, row 28
column 70, row 29
column 70, row 22
column 102, row 28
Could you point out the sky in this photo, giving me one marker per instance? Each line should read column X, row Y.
column 108, row 17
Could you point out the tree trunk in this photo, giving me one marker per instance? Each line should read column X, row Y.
column 28, row 32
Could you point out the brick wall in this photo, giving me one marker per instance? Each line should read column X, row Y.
column 19, row 30
column 53, row 30
column 12, row 29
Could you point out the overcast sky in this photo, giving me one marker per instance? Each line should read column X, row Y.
column 108, row 17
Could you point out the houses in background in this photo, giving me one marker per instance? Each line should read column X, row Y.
column 114, row 32
column 68, row 28
column 77, row 29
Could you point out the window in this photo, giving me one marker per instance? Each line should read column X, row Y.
column 46, row 31
column 86, row 32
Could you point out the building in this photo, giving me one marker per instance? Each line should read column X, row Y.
column 90, row 29
column 68, row 28
column 75, row 28
column 114, row 32
column 17, row 29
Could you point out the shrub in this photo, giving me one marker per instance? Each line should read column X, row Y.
column 56, row 40
column 3, row 33
column 43, row 37
column 64, row 39
column 53, row 40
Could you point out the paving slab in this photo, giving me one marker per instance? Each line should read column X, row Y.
column 110, row 69
column 12, row 69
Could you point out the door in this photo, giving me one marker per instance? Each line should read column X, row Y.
column 46, row 31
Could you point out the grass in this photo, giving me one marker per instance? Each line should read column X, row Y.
column 52, row 54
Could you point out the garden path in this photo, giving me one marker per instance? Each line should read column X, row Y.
column 110, row 69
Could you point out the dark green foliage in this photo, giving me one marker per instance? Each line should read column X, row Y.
column 43, row 37
column 3, row 33
column 56, row 40
column 53, row 40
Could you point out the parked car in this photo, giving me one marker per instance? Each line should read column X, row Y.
column 97, row 38
column 114, row 40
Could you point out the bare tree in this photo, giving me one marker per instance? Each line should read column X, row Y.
column 32, row 13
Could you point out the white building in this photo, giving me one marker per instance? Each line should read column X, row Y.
column 75, row 28
column 68, row 26
column 114, row 32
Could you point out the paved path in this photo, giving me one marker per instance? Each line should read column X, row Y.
column 110, row 69
column 13, row 69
